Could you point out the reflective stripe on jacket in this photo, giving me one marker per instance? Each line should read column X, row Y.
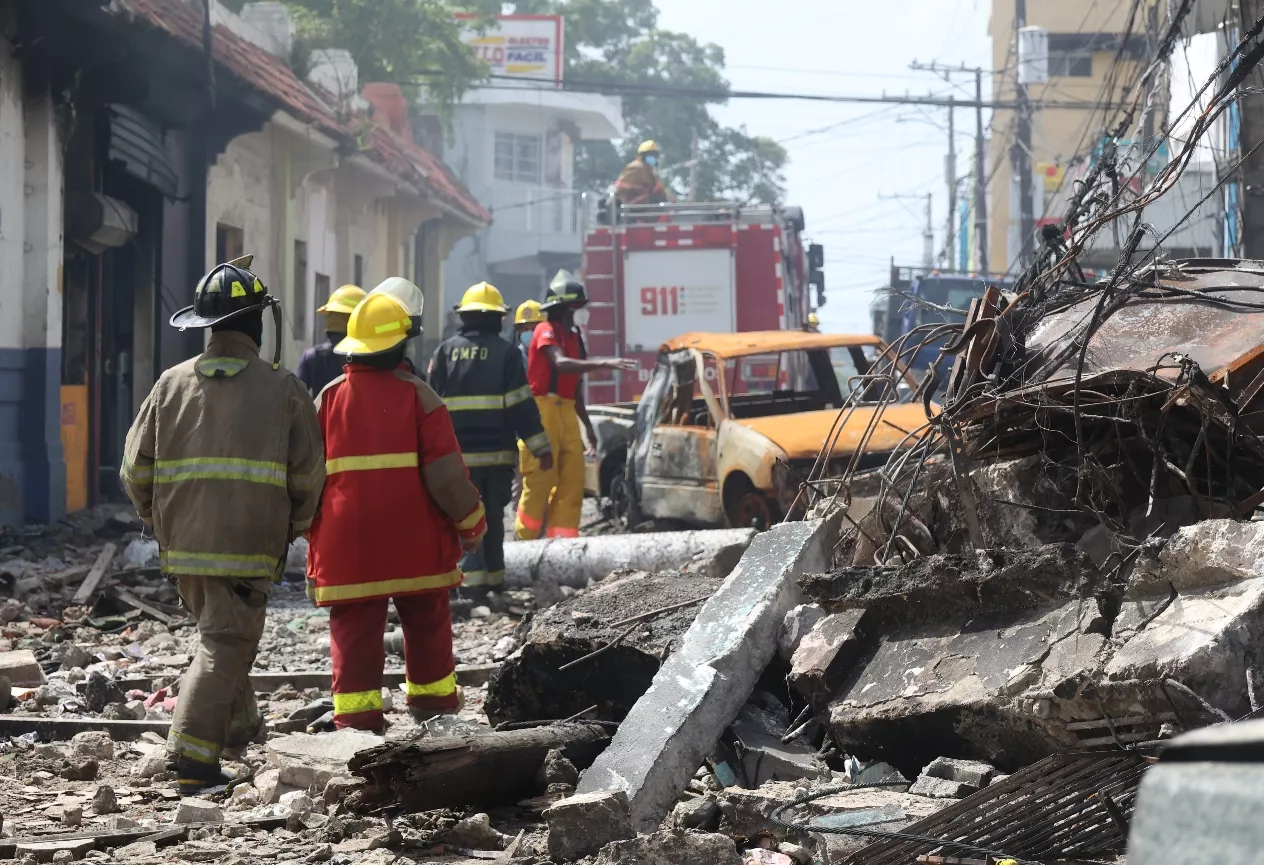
column 481, row 378
column 398, row 500
column 224, row 462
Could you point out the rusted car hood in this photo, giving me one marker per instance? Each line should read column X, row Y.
column 802, row 435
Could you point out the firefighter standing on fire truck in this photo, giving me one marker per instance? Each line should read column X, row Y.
column 397, row 511
column 638, row 183
column 481, row 378
column 557, row 361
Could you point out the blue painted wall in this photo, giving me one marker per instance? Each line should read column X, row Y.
column 32, row 466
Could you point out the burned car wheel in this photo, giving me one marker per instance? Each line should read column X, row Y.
column 752, row 509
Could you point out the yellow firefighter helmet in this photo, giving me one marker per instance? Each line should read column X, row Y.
column 650, row 146
column 378, row 324
column 343, row 300
column 483, row 297
column 529, row 313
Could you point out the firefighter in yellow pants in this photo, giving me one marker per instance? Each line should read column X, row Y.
column 555, row 362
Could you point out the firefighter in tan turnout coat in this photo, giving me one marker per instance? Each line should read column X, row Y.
column 224, row 464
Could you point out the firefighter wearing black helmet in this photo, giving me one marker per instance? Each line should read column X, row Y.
column 556, row 362
column 225, row 466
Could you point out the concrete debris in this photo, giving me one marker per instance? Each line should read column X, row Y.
column 671, row 848
column 476, row 833
column 972, row 772
column 702, row 814
column 699, row 689
column 305, row 761
column 828, row 654
column 556, row 769
column 585, row 823
column 198, row 811
column 1212, row 553
column 941, row 788
column 763, row 754
column 796, row 625
column 533, row 686
column 764, row 856
column 104, row 801
column 21, row 668
column 582, row 561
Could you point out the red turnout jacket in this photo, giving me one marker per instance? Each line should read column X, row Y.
column 398, row 500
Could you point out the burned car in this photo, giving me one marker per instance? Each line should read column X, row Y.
column 730, row 425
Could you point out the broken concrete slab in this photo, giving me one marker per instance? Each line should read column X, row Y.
column 949, row 586
column 699, row 690
column 765, row 757
column 1212, row 553
column 306, row 760
column 533, row 686
column 1203, row 639
column 60, row 729
column 965, row 688
column 44, row 851
column 671, row 848
column 828, row 654
column 21, row 669
column 581, row 825
column 578, row 561
column 972, row 772
column 796, row 625
column 197, row 811
column 941, row 788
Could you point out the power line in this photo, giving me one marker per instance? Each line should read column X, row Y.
column 704, row 94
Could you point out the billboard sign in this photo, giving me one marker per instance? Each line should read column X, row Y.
column 520, row 46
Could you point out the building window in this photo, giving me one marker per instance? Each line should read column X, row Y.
column 1070, row 63
column 229, row 243
column 517, row 157
column 359, row 270
column 300, row 289
column 321, row 282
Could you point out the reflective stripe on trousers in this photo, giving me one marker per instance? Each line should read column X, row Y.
column 558, row 492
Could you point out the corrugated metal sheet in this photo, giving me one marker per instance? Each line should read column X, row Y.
column 136, row 141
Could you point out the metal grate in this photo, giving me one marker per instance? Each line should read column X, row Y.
column 1054, row 809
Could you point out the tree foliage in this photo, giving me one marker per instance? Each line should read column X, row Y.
column 402, row 41
column 619, row 42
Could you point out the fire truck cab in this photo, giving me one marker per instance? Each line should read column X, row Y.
column 654, row 272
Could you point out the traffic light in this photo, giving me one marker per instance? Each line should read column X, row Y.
column 816, row 273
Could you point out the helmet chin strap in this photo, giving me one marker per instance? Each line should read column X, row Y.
column 276, row 322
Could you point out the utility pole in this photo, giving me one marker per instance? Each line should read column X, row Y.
column 928, row 237
column 980, row 156
column 980, row 177
column 950, row 172
column 1020, row 153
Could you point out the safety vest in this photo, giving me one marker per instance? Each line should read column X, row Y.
column 381, row 531
column 484, row 384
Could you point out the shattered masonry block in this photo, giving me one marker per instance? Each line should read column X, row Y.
column 44, row 851
column 971, row 772
column 1213, row 552
column 827, row 655
column 941, row 788
column 668, row 848
column 198, row 811
column 796, row 625
column 306, row 760
column 581, row 825
column 21, row 669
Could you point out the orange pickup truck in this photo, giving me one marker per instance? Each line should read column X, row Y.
column 731, row 423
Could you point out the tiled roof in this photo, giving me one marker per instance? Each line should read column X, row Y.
column 268, row 74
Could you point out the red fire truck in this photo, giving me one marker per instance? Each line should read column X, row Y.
column 654, row 272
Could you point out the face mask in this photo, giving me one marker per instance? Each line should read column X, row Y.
column 651, row 160
column 581, row 318
column 525, row 338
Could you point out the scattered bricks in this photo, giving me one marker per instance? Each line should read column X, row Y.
column 828, row 654
column 941, row 788
column 44, row 851
column 198, row 811
column 972, row 772
column 583, row 824
column 22, row 671
column 671, row 848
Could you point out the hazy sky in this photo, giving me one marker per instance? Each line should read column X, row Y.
column 852, row 47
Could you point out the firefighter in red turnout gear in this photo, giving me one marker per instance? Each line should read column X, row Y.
column 397, row 511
